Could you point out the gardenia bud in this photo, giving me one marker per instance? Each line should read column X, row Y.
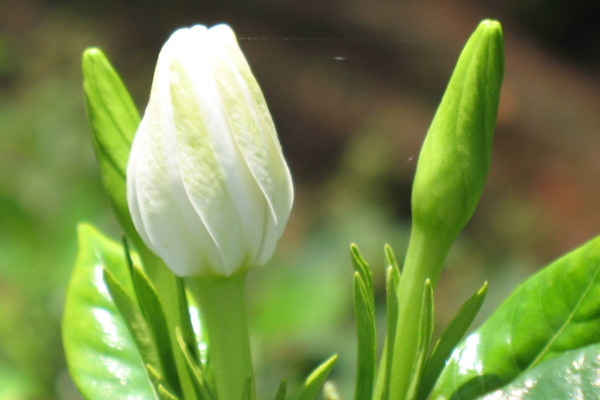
column 208, row 188
column 455, row 158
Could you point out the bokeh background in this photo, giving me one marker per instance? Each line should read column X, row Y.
column 352, row 86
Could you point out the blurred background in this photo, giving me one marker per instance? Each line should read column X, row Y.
column 352, row 86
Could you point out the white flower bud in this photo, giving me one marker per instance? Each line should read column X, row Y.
column 208, row 188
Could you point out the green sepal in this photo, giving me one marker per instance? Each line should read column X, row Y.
column 314, row 381
column 154, row 315
column 365, row 327
column 281, row 390
column 383, row 374
column 248, row 391
column 113, row 120
column 361, row 266
column 95, row 335
column 204, row 387
column 425, row 332
column 166, row 394
column 448, row 340
column 555, row 311
column 390, row 258
column 161, row 387
column 138, row 328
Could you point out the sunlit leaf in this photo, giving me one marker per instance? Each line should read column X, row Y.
column 102, row 356
column 555, row 311
column 573, row 375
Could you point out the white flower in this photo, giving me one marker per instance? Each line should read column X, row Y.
column 208, row 188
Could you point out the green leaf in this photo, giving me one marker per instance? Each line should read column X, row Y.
column 572, row 375
column 448, row 340
column 425, row 332
column 102, row 356
column 383, row 375
column 361, row 266
column 154, row 316
column 315, row 380
column 138, row 328
column 553, row 312
column 248, row 392
column 203, row 386
column 390, row 257
column 113, row 120
column 365, row 328
column 282, row 390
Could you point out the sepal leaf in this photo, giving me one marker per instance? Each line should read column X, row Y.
column 448, row 340
column 113, row 120
column 315, row 380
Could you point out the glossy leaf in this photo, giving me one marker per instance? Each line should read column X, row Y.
column 448, row 340
column 553, row 312
column 101, row 354
column 315, row 380
column 573, row 375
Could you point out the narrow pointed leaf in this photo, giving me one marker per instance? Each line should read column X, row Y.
column 383, row 375
column 425, row 331
column 138, row 328
column 555, row 311
column 113, row 120
column 365, row 328
column 154, row 315
column 248, row 393
column 282, row 390
column 203, row 386
column 315, row 380
column 166, row 394
column 361, row 266
column 448, row 340
column 102, row 356
column 390, row 257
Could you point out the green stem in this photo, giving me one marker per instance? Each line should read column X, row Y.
column 424, row 258
column 223, row 306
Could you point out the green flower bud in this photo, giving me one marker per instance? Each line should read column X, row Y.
column 451, row 171
column 455, row 157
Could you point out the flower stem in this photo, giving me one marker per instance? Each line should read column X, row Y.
column 223, row 307
column 425, row 254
